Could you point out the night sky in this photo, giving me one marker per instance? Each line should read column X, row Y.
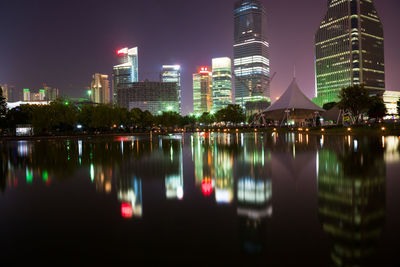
column 64, row 42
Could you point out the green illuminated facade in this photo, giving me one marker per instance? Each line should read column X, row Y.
column 349, row 47
column 222, row 83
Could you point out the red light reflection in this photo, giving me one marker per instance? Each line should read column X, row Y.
column 206, row 187
column 126, row 210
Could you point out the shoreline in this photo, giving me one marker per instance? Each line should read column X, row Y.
column 311, row 131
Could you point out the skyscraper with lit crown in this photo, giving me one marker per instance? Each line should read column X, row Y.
column 202, row 91
column 128, row 69
column 251, row 52
column 349, row 48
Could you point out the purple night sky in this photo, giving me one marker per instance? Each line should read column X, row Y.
column 64, row 42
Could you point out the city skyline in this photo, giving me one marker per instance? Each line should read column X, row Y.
column 291, row 35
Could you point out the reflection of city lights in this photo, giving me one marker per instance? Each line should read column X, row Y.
column 355, row 145
column 179, row 192
column 206, row 187
column 392, row 149
column 126, row 210
column 29, row 176
column 23, row 148
column 80, row 148
column 92, row 172
column 223, row 196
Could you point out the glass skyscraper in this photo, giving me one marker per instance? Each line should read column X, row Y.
column 221, row 83
column 251, row 52
column 127, row 70
column 172, row 74
column 349, row 49
column 202, row 91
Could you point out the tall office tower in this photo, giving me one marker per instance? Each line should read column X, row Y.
column 222, row 83
column 251, row 53
column 349, row 50
column 202, row 91
column 51, row 94
column 172, row 74
column 127, row 70
column 156, row 97
column 100, row 89
column 26, row 95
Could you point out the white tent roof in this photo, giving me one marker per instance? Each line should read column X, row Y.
column 296, row 101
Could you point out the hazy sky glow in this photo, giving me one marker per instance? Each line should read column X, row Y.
column 64, row 42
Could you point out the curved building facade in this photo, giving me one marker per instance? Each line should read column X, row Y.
column 349, row 48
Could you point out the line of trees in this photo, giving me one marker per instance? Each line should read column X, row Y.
column 357, row 101
column 62, row 116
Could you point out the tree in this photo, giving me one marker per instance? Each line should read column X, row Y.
column 3, row 109
column 329, row 105
column 398, row 107
column 355, row 100
column 169, row 119
column 377, row 109
column 232, row 113
column 206, row 118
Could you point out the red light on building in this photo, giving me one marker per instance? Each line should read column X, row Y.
column 123, row 51
column 206, row 187
column 204, row 70
column 126, row 210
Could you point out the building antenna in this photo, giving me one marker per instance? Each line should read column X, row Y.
column 294, row 71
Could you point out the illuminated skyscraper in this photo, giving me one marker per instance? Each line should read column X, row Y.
column 127, row 70
column 349, row 50
column 202, row 91
column 27, row 95
column 172, row 74
column 251, row 53
column 100, row 89
column 222, row 83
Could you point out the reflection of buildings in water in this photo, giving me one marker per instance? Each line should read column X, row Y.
column 102, row 177
column 254, row 197
column 224, row 181
column 203, row 164
column 174, row 182
column 392, row 149
column 351, row 203
column 130, row 194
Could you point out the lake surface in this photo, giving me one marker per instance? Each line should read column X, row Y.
column 204, row 199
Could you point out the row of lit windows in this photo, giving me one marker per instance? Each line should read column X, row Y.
column 250, row 71
column 250, row 60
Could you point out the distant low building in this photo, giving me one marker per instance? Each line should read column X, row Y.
column 156, row 97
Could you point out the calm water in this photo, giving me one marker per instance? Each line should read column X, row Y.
column 249, row 199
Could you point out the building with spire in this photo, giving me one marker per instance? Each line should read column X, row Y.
column 349, row 50
column 251, row 53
